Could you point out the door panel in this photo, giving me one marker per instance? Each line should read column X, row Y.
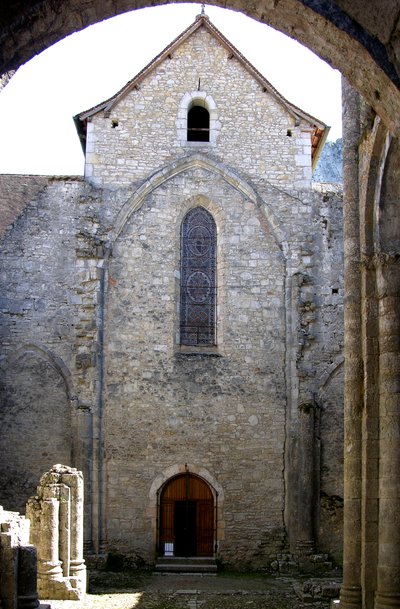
column 187, row 516
column 205, row 528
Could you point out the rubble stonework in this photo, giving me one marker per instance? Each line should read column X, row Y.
column 92, row 367
column 18, row 563
column 56, row 515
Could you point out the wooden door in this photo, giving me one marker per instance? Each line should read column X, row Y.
column 187, row 516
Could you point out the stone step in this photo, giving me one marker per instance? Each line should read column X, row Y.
column 192, row 564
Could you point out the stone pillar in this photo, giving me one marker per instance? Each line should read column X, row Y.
column 64, row 527
column 56, row 515
column 305, row 544
column 17, row 563
column 388, row 580
column 77, row 564
column 27, row 575
column 9, row 572
column 350, row 596
column 49, row 565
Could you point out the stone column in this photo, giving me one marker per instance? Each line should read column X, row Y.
column 305, row 544
column 65, row 528
column 77, row 564
column 49, row 564
column 350, row 596
column 84, row 462
column 27, row 575
column 388, row 285
column 9, row 570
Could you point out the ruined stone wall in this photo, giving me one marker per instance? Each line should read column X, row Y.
column 92, row 371
column 18, row 563
column 38, row 274
column 142, row 132
column 200, row 409
column 328, row 371
column 226, row 413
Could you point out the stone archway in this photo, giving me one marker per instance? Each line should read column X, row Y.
column 174, row 472
column 187, row 517
column 362, row 44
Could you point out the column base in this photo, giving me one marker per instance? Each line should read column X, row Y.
column 28, row 602
column 78, row 576
column 50, row 570
column 387, row 601
column 350, row 597
column 76, row 566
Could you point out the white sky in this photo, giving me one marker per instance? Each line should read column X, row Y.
column 37, row 133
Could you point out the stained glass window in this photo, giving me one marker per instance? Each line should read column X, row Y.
column 198, row 278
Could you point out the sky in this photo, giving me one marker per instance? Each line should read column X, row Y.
column 37, row 132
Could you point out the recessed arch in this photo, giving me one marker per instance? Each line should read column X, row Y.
column 39, row 350
column 37, row 420
column 201, row 161
column 330, row 372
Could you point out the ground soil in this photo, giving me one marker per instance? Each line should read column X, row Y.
column 142, row 590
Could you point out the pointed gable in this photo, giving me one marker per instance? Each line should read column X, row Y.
column 319, row 130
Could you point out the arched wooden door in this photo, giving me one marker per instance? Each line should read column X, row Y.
column 187, row 516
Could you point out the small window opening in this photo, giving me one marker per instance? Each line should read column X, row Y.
column 335, row 290
column 114, row 123
column 198, row 124
column 289, row 133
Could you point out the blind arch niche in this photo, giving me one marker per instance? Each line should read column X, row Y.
column 198, row 290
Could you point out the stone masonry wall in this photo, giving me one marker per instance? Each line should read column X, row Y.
column 222, row 411
column 229, row 410
column 38, row 272
column 253, row 126
column 92, row 373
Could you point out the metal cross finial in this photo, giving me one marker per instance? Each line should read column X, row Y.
column 203, row 8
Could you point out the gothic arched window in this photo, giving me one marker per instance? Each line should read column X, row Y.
column 198, row 278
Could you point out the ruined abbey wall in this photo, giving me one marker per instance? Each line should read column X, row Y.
column 93, row 374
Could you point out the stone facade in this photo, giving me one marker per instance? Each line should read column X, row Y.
column 93, row 372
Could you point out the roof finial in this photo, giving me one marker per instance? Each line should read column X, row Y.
column 203, row 9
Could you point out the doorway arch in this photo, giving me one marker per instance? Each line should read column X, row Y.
column 187, row 517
